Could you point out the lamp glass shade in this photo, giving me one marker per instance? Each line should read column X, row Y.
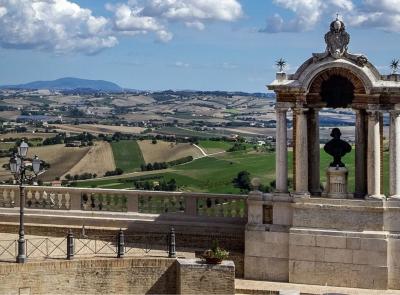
column 13, row 165
column 19, row 162
column 23, row 149
column 36, row 164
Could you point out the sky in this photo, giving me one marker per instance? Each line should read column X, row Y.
column 184, row 44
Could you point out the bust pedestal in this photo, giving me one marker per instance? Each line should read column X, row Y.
column 336, row 184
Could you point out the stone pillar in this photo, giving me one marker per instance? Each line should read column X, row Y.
column 301, row 153
column 374, row 155
column 281, row 167
column 394, row 150
column 360, row 156
column 314, row 153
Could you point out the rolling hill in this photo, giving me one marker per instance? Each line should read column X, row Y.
column 69, row 84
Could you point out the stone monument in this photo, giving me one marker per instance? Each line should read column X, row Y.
column 295, row 235
column 337, row 173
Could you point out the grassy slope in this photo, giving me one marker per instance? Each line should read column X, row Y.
column 212, row 146
column 127, row 155
column 215, row 174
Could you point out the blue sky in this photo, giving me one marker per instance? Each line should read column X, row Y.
column 183, row 44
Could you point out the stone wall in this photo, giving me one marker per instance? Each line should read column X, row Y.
column 100, row 276
column 338, row 259
column 117, row 276
column 195, row 277
column 346, row 243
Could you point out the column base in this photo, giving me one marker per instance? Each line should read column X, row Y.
column 375, row 197
column 21, row 259
column 300, row 194
column 394, row 198
column 316, row 193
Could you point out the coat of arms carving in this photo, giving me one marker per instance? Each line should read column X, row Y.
column 337, row 41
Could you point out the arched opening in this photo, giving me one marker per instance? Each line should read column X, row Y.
column 337, row 92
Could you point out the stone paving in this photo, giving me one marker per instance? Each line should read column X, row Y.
column 45, row 247
column 262, row 287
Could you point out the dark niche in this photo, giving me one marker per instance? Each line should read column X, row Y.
column 337, row 91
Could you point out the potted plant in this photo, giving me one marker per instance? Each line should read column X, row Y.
column 215, row 255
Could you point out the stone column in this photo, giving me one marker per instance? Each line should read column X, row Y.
column 374, row 155
column 301, row 153
column 314, row 152
column 360, row 156
column 394, row 150
column 281, row 167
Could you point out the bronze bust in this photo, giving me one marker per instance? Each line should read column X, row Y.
column 337, row 148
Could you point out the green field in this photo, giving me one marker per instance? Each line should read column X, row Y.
column 215, row 174
column 127, row 155
column 213, row 146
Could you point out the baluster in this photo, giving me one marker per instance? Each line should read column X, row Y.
column 166, row 204
column 85, row 201
column 149, row 204
column 200, row 205
column 12, row 198
column 60, row 202
column 43, row 201
column 100, row 204
column 211, row 211
column 124, row 203
column 220, row 208
column 67, row 198
column 4, row 198
column 242, row 208
column 108, row 203
column 92, row 202
column 52, row 201
column 231, row 207
column 28, row 198
column 116, row 202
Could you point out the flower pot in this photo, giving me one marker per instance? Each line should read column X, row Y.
column 213, row 260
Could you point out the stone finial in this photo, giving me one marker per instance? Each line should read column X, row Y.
column 255, row 184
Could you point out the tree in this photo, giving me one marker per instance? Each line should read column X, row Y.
column 243, row 181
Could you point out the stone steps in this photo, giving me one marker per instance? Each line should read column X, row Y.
column 267, row 288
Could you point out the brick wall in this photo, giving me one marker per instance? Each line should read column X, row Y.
column 100, row 276
column 117, row 276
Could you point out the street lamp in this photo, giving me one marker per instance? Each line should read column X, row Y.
column 24, row 172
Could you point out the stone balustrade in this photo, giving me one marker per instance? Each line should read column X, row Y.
column 132, row 201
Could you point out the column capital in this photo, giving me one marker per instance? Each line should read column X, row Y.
column 281, row 109
column 374, row 114
column 283, row 105
column 394, row 113
column 300, row 111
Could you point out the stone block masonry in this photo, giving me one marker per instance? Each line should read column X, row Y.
column 196, row 277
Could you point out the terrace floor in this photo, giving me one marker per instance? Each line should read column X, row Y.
column 263, row 287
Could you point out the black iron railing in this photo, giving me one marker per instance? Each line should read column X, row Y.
column 118, row 245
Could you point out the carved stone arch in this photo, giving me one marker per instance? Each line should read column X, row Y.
column 335, row 87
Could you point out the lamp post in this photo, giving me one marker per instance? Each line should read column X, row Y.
column 24, row 172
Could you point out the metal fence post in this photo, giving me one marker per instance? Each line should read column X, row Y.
column 171, row 246
column 70, row 245
column 121, row 244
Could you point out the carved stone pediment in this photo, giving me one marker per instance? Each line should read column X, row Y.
column 337, row 41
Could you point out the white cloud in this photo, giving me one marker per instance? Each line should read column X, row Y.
column 63, row 26
column 193, row 13
column 383, row 14
column 56, row 25
column 180, row 64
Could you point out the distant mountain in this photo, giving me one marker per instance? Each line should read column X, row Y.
column 69, row 84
